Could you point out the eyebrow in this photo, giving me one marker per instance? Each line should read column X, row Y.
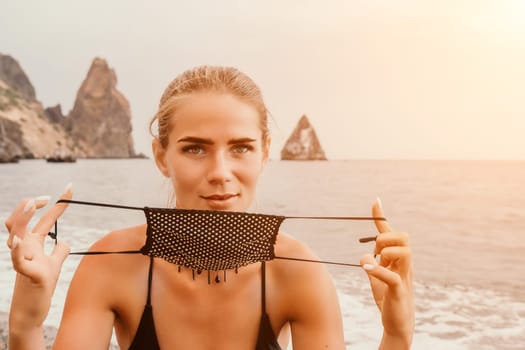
column 194, row 139
column 241, row 140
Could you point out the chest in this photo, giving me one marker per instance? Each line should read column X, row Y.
column 190, row 313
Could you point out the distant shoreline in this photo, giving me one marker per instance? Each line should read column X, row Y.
column 314, row 161
column 93, row 158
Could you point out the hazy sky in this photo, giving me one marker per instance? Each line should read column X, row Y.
column 378, row 79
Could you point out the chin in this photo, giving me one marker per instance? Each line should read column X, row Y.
column 228, row 205
column 222, row 206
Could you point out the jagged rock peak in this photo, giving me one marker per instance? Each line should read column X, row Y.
column 54, row 114
column 100, row 80
column 10, row 133
column 100, row 121
column 303, row 143
column 14, row 76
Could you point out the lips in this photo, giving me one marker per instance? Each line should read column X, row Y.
column 220, row 197
column 221, row 201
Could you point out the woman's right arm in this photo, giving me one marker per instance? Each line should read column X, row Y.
column 87, row 321
column 37, row 273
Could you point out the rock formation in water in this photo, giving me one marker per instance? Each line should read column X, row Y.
column 10, row 136
column 100, row 122
column 303, row 143
column 12, row 75
column 99, row 125
column 54, row 114
column 25, row 132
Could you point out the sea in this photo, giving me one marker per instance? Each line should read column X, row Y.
column 466, row 221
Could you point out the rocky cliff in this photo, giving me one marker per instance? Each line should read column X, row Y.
column 303, row 143
column 99, row 125
column 25, row 132
column 100, row 122
column 12, row 75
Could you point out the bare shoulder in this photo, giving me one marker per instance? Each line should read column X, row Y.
column 290, row 247
column 305, row 283
column 300, row 274
column 287, row 242
column 128, row 238
column 113, row 270
column 99, row 291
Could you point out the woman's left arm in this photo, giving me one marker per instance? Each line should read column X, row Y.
column 391, row 283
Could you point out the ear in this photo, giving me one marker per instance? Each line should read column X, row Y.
column 160, row 156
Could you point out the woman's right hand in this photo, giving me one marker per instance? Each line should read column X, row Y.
column 37, row 273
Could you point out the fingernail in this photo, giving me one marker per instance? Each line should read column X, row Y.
column 69, row 186
column 29, row 205
column 42, row 198
column 368, row 267
column 378, row 200
column 15, row 242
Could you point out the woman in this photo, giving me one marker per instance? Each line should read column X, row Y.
column 212, row 143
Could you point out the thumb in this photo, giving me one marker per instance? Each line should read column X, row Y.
column 377, row 212
column 368, row 263
column 60, row 252
column 378, row 273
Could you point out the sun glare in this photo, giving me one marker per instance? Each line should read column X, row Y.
column 502, row 17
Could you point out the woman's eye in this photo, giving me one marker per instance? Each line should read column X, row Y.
column 241, row 148
column 193, row 149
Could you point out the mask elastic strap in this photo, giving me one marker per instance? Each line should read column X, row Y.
column 359, row 218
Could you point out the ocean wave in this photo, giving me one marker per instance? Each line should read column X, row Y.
column 447, row 317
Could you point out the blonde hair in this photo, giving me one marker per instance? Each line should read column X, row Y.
column 227, row 80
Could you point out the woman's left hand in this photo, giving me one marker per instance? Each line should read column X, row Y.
column 391, row 283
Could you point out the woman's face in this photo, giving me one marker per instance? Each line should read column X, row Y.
column 215, row 152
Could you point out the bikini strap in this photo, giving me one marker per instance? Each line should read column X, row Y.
column 263, row 287
column 150, row 277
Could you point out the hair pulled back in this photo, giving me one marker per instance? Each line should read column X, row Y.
column 226, row 80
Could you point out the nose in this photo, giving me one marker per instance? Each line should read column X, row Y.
column 220, row 170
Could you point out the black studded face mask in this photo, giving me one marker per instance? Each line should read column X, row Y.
column 211, row 240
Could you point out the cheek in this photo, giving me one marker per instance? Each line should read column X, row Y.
column 183, row 176
column 251, row 173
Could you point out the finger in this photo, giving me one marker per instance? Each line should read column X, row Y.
column 21, row 258
column 60, row 252
column 47, row 221
column 398, row 258
column 399, row 261
column 377, row 211
column 374, row 271
column 390, row 239
column 17, row 211
column 376, row 285
column 17, row 255
column 17, row 222
column 41, row 201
